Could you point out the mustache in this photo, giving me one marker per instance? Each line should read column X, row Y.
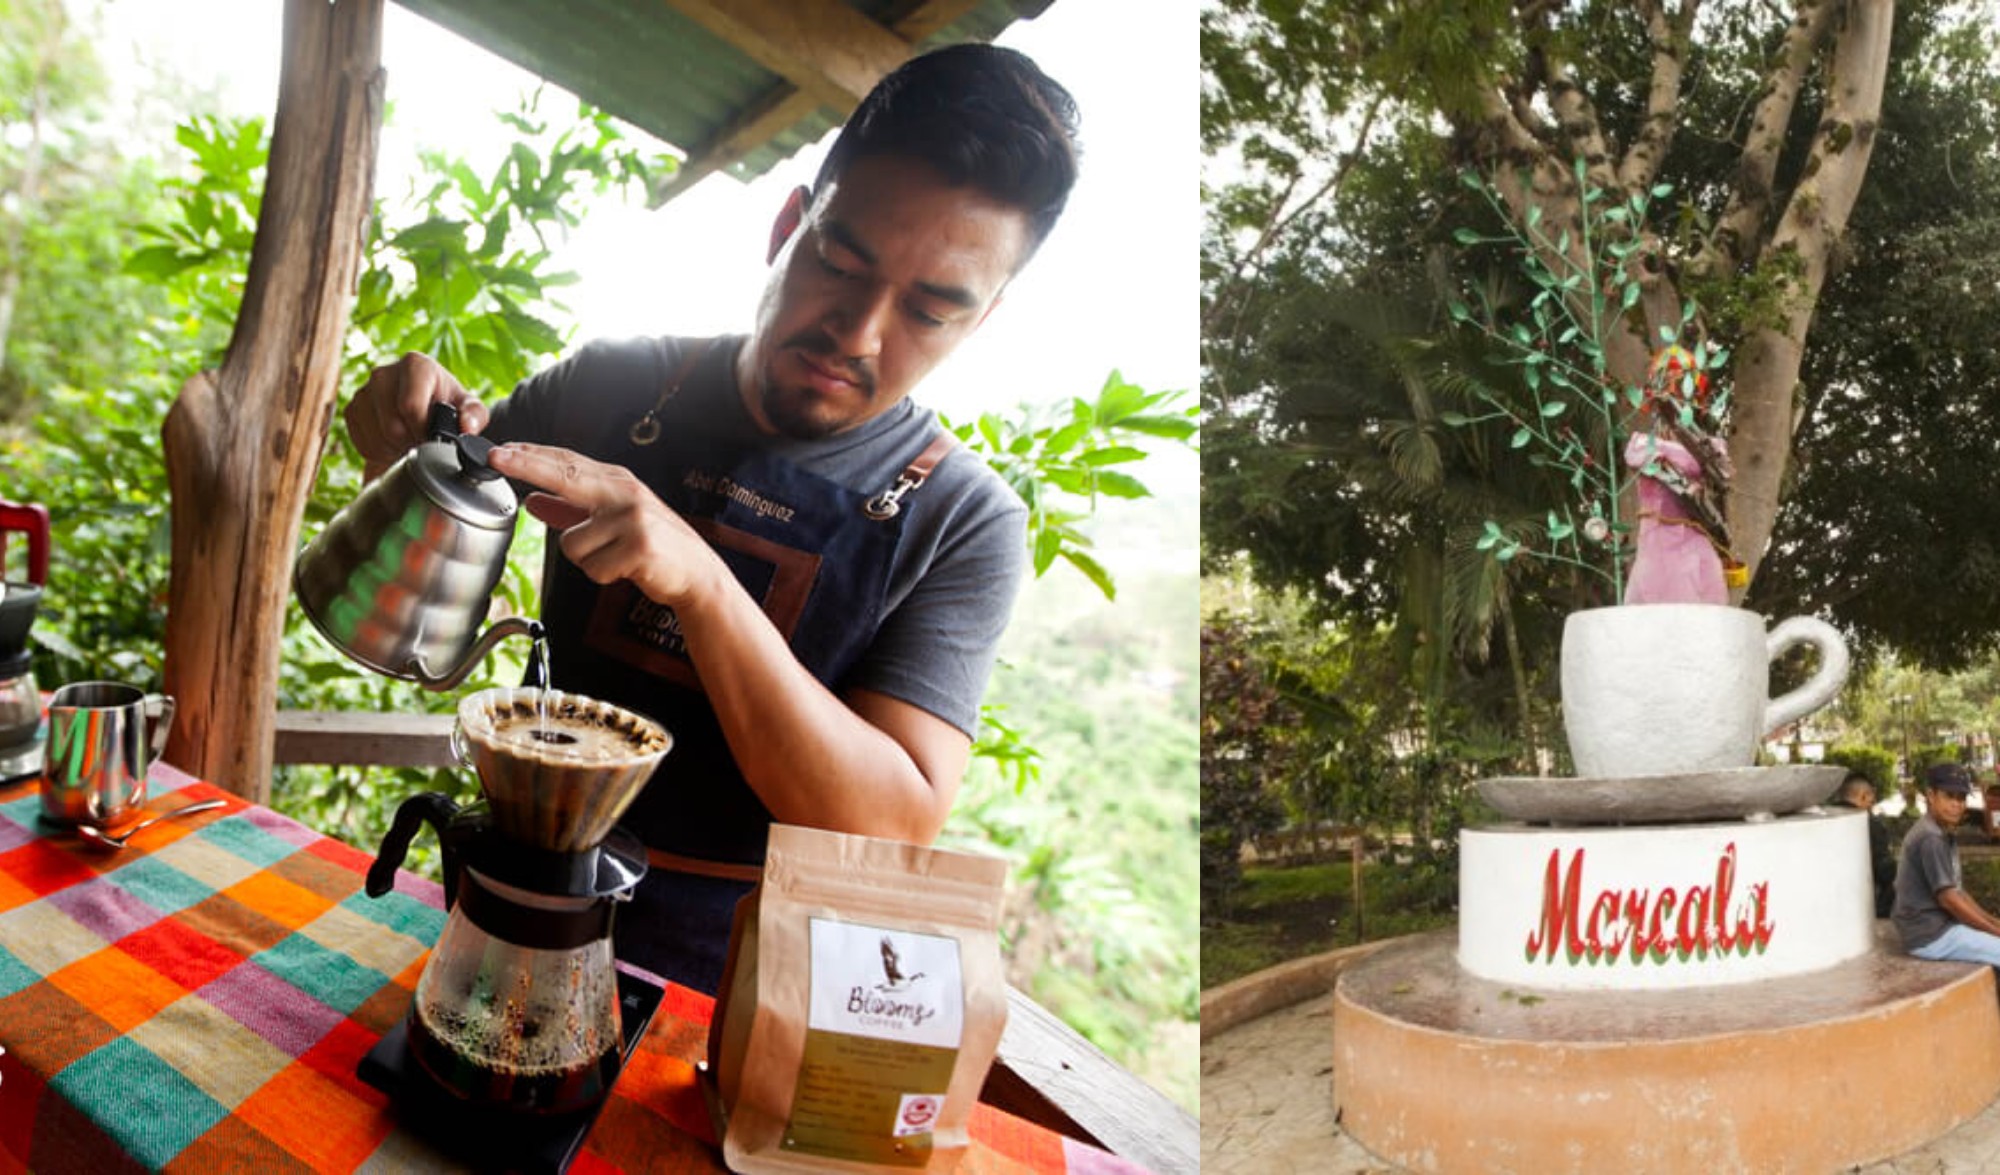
column 826, row 353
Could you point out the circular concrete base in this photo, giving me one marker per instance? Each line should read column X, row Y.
column 1438, row 1071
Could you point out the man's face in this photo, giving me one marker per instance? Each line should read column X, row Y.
column 1947, row 808
column 889, row 270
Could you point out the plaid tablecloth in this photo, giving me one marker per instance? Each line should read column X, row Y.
column 200, row 1001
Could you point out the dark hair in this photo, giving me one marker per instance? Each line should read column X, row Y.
column 984, row 116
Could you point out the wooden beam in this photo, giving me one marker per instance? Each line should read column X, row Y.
column 779, row 110
column 786, row 105
column 1048, row 1074
column 927, row 20
column 831, row 52
column 365, row 739
column 243, row 443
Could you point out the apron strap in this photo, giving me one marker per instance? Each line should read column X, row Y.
column 700, row 867
column 889, row 502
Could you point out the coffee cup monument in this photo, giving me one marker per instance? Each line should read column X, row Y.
column 1669, row 961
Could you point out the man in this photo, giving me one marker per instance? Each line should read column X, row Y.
column 1858, row 793
column 1934, row 916
column 763, row 543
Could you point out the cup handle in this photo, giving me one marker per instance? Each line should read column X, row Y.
column 162, row 725
column 1821, row 687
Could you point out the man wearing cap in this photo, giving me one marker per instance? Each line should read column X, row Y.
column 1934, row 916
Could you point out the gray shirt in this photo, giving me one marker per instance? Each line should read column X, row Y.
column 963, row 549
column 1929, row 865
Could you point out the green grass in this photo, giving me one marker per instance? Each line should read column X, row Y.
column 1288, row 913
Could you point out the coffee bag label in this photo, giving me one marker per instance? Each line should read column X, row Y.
column 887, row 984
column 882, row 1033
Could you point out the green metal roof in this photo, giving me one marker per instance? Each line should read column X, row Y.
column 689, row 71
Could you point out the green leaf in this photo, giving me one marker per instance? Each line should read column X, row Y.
column 1112, row 483
column 1461, row 312
column 1555, row 408
column 1092, row 570
column 1048, row 544
column 1173, row 428
column 1465, row 236
column 1112, row 455
column 1668, row 334
column 157, row 262
column 1454, row 419
column 1631, row 296
column 1064, row 439
column 1661, row 191
column 1521, row 438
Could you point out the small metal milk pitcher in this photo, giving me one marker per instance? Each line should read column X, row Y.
column 103, row 736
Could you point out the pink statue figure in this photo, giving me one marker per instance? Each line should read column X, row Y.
column 1676, row 562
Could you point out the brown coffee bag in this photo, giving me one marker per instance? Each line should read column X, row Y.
column 861, row 1007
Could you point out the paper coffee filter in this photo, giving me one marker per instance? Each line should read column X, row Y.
column 559, row 769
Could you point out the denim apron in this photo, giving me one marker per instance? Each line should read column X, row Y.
column 816, row 557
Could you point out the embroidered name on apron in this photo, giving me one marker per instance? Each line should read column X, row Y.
column 627, row 626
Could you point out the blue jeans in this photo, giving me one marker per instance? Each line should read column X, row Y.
column 1962, row 944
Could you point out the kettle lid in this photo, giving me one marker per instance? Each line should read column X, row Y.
column 452, row 470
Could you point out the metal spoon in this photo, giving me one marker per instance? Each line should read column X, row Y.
column 103, row 839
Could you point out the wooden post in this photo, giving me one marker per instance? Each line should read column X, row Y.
column 243, row 443
column 1360, row 906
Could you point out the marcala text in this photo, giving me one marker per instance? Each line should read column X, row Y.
column 1639, row 924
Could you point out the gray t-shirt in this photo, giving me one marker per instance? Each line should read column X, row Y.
column 963, row 549
column 1929, row 864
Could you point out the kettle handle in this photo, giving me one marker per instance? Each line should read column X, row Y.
column 442, row 424
column 33, row 521
column 431, row 807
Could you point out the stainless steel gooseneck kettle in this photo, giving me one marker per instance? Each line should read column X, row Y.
column 401, row 578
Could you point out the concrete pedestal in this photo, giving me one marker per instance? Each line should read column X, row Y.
column 1439, row 1070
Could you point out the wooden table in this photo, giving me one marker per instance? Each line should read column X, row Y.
column 201, row 1000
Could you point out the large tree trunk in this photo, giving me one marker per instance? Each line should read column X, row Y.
column 243, row 443
column 1766, row 414
column 1791, row 238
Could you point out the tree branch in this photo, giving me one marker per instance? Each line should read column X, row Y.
column 1280, row 220
column 1669, row 37
column 1766, row 414
column 1740, row 232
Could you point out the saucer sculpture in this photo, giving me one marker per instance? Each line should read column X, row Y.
column 1749, row 793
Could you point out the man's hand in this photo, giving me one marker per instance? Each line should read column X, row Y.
column 1962, row 907
column 867, row 763
column 613, row 527
column 390, row 414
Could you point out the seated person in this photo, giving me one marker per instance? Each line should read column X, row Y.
column 1934, row 916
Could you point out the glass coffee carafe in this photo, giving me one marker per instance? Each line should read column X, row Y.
column 517, row 1007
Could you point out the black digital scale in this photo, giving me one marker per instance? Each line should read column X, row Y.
column 487, row 1138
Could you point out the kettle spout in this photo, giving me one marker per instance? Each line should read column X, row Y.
column 448, row 678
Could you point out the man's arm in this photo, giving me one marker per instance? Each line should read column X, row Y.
column 869, row 764
column 1960, row 905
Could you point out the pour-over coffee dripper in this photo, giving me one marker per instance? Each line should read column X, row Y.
column 517, row 1008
